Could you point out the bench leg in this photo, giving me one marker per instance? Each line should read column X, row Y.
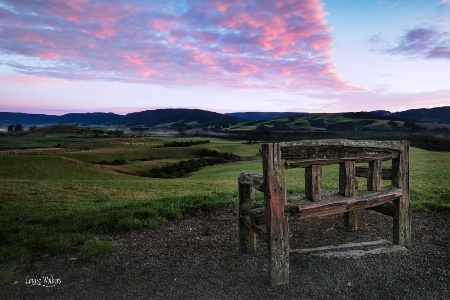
column 278, row 244
column 351, row 220
column 247, row 237
column 347, row 186
column 400, row 178
column 402, row 223
column 276, row 222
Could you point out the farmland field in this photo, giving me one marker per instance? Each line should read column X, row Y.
column 62, row 199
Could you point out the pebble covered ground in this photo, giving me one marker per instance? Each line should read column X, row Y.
column 197, row 257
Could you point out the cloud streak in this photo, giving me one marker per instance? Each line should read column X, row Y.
column 251, row 44
column 382, row 100
column 428, row 41
column 424, row 42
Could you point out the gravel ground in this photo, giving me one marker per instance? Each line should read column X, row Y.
column 197, row 257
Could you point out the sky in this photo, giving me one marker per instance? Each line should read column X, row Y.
column 314, row 56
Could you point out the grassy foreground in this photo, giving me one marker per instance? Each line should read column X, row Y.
column 57, row 200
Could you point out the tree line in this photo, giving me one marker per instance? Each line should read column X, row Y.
column 17, row 127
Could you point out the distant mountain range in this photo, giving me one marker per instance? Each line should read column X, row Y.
column 263, row 116
column 7, row 118
column 425, row 115
column 181, row 118
column 170, row 118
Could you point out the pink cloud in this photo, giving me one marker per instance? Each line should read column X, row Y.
column 146, row 72
column 270, row 44
column 134, row 59
column 27, row 79
column 106, row 32
column 49, row 55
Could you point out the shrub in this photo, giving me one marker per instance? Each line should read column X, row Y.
column 183, row 143
column 116, row 162
column 208, row 158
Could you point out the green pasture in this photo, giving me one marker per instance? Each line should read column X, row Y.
column 40, row 141
column 318, row 122
column 54, row 201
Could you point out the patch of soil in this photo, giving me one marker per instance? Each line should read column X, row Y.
column 197, row 257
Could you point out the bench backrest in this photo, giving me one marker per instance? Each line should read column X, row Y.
column 313, row 154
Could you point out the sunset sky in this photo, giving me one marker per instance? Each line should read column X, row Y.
column 223, row 55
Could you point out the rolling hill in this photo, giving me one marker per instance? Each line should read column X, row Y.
column 262, row 116
column 425, row 115
column 7, row 118
column 183, row 118
column 178, row 118
column 168, row 118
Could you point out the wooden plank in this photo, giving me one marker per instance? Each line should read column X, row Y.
column 253, row 179
column 325, row 162
column 374, row 176
column 363, row 171
column 339, row 247
column 402, row 221
column 247, row 237
column 393, row 145
column 330, row 207
column 303, row 158
column 313, row 182
column 340, row 149
column 277, row 223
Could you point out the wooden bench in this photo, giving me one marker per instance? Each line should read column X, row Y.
column 277, row 158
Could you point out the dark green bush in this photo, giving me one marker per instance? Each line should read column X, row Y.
column 184, row 143
column 182, row 168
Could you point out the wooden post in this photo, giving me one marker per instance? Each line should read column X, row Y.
column 374, row 176
column 351, row 220
column 402, row 222
column 347, row 178
column 277, row 222
column 313, row 182
column 247, row 237
column 347, row 183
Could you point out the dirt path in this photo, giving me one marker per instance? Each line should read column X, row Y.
column 197, row 257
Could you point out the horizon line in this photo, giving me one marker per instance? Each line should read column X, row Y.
column 219, row 112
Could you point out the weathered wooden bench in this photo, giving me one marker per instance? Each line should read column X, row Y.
column 270, row 218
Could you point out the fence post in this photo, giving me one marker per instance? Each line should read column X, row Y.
column 400, row 178
column 247, row 237
column 277, row 223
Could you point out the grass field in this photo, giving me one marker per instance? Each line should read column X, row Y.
column 56, row 200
